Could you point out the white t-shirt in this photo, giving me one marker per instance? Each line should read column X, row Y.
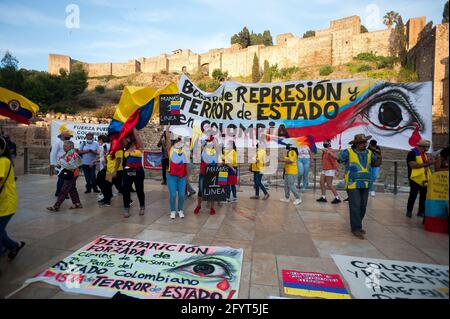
column 103, row 149
column 57, row 152
column 303, row 152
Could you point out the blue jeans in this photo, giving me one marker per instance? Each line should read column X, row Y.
column 289, row 186
column 303, row 165
column 257, row 177
column 373, row 177
column 5, row 241
column 231, row 189
column 176, row 184
column 90, row 176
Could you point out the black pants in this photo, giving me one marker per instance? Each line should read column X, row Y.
column 165, row 166
column 413, row 191
column 138, row 181
column 101, row 180
column 118, row 180
column 357, row 202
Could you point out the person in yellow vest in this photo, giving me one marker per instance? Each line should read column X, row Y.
column 418, row 175
column 358, row 160
column 258, row 169
column 290, row 174
column 8, row 201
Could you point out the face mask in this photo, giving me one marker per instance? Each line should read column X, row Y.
column 209, row 145
column 90, row 141
column 179, row 145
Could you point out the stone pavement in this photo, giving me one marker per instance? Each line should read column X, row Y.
column 274, row 235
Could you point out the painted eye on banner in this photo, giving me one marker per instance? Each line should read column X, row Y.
column 390, row 110
column 208, row 267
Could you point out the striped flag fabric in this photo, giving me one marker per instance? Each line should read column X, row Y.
column 16, row 106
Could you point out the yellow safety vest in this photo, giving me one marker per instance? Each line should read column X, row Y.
column 357, row 176
column 420, row 175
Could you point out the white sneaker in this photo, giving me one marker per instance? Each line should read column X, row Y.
column 234, row 199
column 372, row 193
column 173, row 215
column 284, row 200
column 181, row 214
column 100, row 196
column 297, row 201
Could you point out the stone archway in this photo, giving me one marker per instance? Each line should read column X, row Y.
column 205, row 68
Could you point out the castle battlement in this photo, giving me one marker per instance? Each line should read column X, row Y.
column 335, row 45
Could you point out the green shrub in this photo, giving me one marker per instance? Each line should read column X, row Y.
column 100, row 89
column 367, row 56
column 209, row 85
column 386, row 62
column 326, row 70
column 364, row 68
column 87, row 102
column 283, row 73
column 384, row 74
column 218, row 75
column 407, row 74
column 104, row 112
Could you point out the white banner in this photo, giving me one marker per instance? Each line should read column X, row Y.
column 391, row 279
column 397, row 115
column 77, row 130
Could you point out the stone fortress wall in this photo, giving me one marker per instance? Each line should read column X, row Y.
column 335, row 45
column 332, row 46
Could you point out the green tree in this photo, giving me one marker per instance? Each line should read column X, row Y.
column 390, row 18
column 445, row 13
column 9, row 61
column 267, row 75
column 256, row 76
column 364, row 29
column 267, row 38
column 309, row 34
column 245, row 38
column 400, row 40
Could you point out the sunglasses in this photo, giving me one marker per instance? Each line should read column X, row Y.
column 361, row 143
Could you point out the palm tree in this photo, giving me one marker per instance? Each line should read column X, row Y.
column 390, row 18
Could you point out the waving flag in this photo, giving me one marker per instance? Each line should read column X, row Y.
column 298, row 142
column 136, row 107
column 16, row 106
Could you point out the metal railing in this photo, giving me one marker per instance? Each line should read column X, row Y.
column 393, row 175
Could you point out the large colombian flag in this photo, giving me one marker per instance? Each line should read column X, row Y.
column 16, row 106
column 136, row 107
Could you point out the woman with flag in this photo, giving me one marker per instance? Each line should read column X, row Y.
column 210, row 156
column 177, row 177
column 133, row 172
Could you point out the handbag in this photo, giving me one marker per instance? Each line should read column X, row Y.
column 66, row 174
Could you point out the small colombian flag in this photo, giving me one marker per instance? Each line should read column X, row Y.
column 16, row 106
column 175, row 108
column 223, row 178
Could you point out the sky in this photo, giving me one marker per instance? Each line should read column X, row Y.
column 115, row 31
